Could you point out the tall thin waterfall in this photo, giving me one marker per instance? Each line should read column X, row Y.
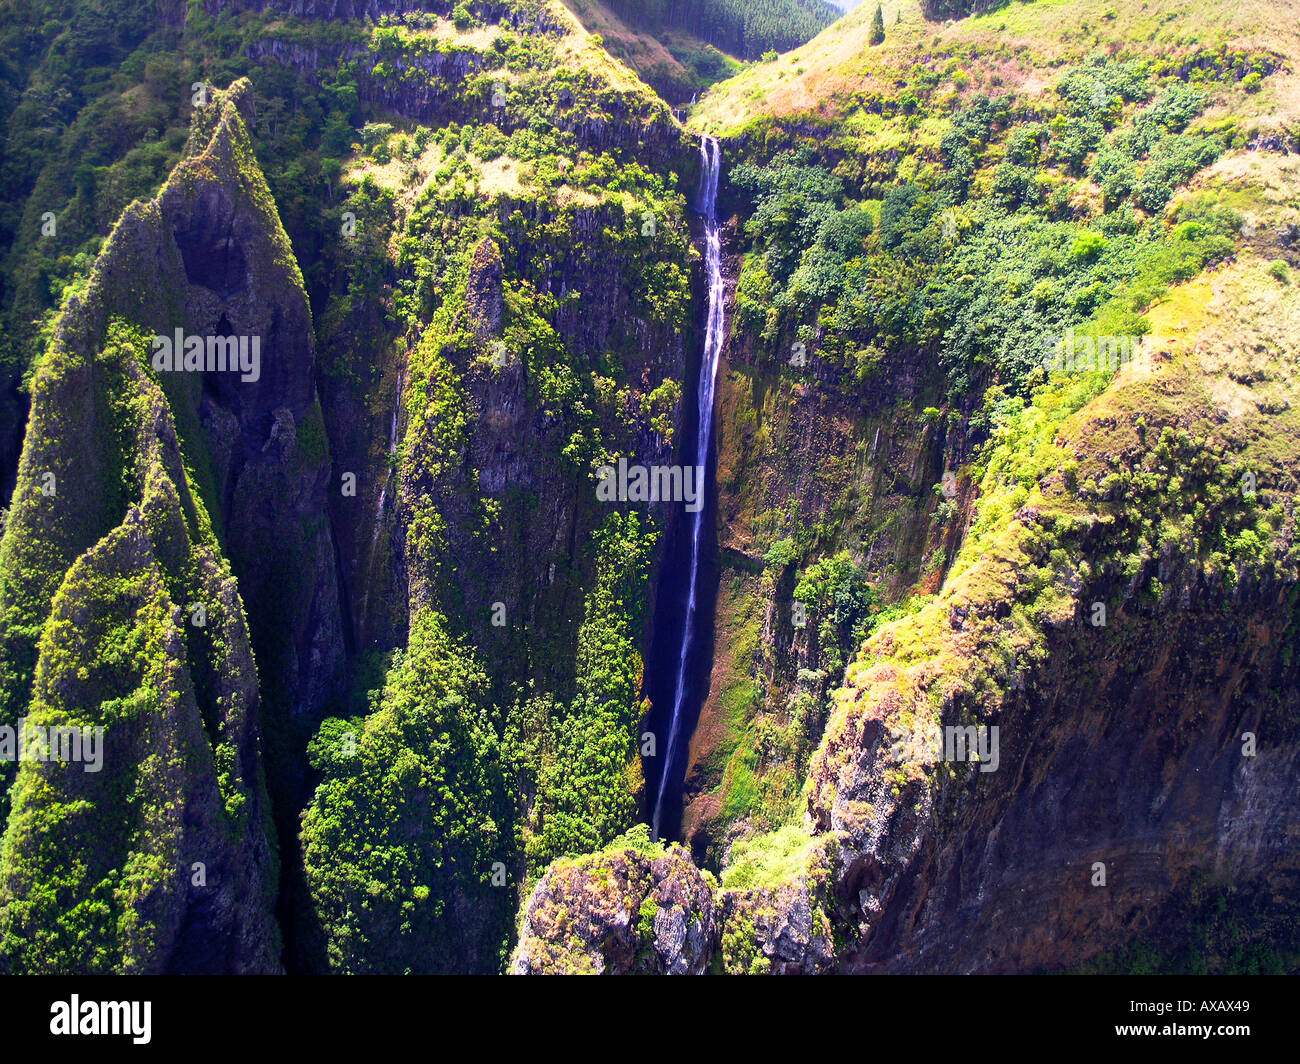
column 389, row 475
column 711, row 156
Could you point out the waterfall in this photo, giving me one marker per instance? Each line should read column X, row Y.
column 711, row 156
column 392, row 447
column 398, row 388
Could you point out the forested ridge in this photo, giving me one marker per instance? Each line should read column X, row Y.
column 746, row 28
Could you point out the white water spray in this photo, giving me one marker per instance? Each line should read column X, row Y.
column 712, row 159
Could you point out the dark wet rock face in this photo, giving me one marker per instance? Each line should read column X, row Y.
column 1130, row 787
column 241, row 280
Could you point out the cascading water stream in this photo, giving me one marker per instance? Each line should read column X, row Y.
column 392, row 447
column 712, row 160
column 399, row 387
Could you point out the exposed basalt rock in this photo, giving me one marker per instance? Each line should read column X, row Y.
column 828, row 443
column 517, row 14
column 629, row 911
column 785, row 929
column 241, row 279
column 1139, row 769
column 483, row 289
column 624, row 911
column 424, row 87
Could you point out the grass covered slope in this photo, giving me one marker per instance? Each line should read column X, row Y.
column 673, row 62
column 1017, row 48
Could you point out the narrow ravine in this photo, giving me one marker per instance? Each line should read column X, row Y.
column 711, row 156
column 389, row 475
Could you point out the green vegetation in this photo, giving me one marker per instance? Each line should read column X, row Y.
column 492, row 229
column 768, row 860
column 581, row 767
column 180, row 772
column 877, row 34
column 1001, row 208
column 741, row 27
column 841, row 602
column 71, row 882
column 402, row 835
column 1208, row 928
column 994, row 219
column 329, row 145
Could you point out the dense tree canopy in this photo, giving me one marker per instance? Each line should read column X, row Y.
column 746, row 28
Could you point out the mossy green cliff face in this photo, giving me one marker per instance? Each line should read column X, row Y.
column 1132, row 686
column 207, row 256
column 540, row 331
column 446, row 621
column 506, row 305
column 827, row 515
column 160, row 856
column 214, row 467
column 1127, row 749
